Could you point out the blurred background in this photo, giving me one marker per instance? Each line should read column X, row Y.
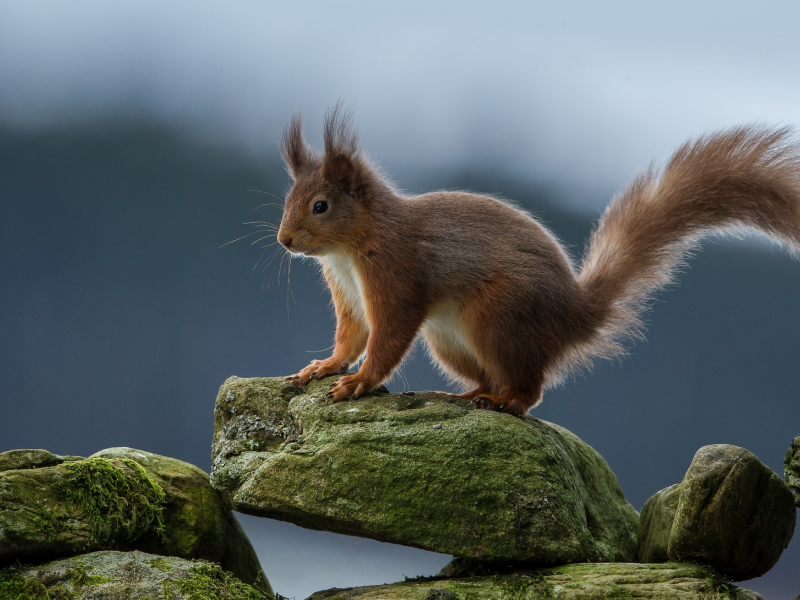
column 133, row 136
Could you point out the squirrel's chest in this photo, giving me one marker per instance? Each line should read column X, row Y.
column 348, row 281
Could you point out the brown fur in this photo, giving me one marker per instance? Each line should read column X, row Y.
column 491, row 291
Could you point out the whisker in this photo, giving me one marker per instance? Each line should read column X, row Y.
column 260, row 258
column 353, row 249
column 267, row 194
column 323, row 350
column 261, row 238
column 274, row 256
column 273, row 277
column 241, row 238
column 280, row 269
column 260, row 223
column 289, row 289
column 402, row 375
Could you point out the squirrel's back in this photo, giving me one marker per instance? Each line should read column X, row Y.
column 466, row 238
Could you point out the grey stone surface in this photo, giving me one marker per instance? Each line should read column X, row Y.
column 730, row 512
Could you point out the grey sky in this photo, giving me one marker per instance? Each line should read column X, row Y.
column 580, row 91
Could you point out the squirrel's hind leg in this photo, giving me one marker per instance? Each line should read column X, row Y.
column 460, row 366
column 511, row 401
column 481, row 390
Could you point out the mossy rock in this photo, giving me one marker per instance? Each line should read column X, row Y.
column 31, row 459
column 119, row 498
column 792, row 469
column 655, row 525
column 197, row 521
column 666, row 581
column 424, row 470
column 112, row 575
column 730, row 512
column 77, row 506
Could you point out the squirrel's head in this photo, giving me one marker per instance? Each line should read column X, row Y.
column 328, row 205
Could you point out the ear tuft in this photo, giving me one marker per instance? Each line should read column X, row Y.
column 339, row 171
column 342, row 161
column 296, row 153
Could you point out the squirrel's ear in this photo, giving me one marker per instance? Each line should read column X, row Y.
column 342, row 164
column 339, row 171
column 295, row 151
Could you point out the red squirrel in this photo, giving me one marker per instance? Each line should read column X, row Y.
column 491, row 291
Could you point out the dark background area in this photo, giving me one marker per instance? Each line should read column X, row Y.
column 121, row 315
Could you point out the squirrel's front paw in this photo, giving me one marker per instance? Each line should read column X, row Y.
column 317, row 370
column 349, row 386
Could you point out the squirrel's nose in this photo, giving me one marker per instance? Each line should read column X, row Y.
column 284, row 239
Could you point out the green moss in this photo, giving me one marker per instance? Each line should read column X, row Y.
column 435, row 594
column 426, row 470
column 14, row 586
column 588, row 581
column 210, row 582
column 49, row 522
column 519, row 587
column 120, row 503
column 80, row 577
column 161, row 564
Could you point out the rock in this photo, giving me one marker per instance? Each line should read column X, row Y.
column 792, row 469
column 673, row 581
column 28, row 459
column 730, row 512
column 31, row 459
column 655, row 524
column 485, row 485
column 73, row 507
column 112, row 575
column 197, row 522
column 119, row 498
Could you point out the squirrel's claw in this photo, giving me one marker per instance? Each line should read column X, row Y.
column 317, row 370
column 349, row 386
column 505, row 403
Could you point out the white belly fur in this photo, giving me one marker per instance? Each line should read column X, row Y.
column 349, row 282
column 443, row 325
column 445, row 329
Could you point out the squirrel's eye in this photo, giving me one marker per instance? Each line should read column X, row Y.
column 320, row 207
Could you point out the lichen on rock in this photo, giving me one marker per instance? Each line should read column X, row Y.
column 730, row 512
column 655, row 524
column 792, row 469
column 28, row 459
column 76, row 506
column 119, row 498
column 673, row 581
column 114, row 575
column 424, row 470
column 197, row 521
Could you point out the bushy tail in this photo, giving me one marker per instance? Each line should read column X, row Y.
column 744, row 178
